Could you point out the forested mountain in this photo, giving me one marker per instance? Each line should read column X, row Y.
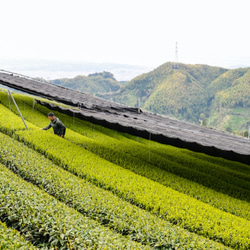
column 93, row 83
column 232, row 89
column 215, row 96
column 181, row 93
column 218, row 96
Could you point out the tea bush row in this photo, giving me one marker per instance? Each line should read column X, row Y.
column 12, row 240
column 132, row 155
column 97, row 203
column 156, row 198
column 46, row 222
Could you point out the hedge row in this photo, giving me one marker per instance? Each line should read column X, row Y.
column 11, row 239
column 96, row 203
column 134, row 156
column 175, row 207
column 46, row 222
column 171, row 205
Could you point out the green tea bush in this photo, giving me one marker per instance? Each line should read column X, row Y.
column 12, row 240
column 97, row 203
column 47, row 222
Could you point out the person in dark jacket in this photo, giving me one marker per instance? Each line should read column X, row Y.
column 58, row 126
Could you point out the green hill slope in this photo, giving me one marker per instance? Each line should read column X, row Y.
column 172, row 97
column 225, row 80
column 230, row 101
column 237, row 93
column 93, row 83
column 181, row 93
column 192, row 93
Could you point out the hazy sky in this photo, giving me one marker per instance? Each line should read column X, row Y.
column 139, row 32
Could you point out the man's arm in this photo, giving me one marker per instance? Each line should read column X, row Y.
column 46, row 128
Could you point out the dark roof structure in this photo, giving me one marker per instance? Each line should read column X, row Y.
column 133, row 121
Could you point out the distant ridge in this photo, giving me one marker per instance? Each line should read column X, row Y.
column 192, row 93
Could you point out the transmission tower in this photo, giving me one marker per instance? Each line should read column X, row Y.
column 176, row 63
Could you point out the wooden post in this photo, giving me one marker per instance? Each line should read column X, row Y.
column 18, row 109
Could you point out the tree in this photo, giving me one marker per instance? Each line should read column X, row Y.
column 246, row 134
column 204, row 122
column 229, row 130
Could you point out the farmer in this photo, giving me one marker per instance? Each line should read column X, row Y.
column 58, row 126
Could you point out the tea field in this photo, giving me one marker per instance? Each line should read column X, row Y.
column 102, row 189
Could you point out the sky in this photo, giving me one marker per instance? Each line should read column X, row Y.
column 135, row 32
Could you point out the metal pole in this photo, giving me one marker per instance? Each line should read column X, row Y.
column 17, row 109
column 139, row 104
column 248, row 132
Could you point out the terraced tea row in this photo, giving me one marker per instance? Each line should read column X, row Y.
column 134, row 156
column 233, row 167
column 12, row 240
column 165, row 202
column 174, row 155
column 96, row 203
column 47, row 222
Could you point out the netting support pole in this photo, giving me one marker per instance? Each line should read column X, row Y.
column 18, row 109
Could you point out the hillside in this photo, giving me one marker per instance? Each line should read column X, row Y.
column 230, row 105
column 99, row 188
column 167, row 91
column 192, row 93
column 93, row 83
